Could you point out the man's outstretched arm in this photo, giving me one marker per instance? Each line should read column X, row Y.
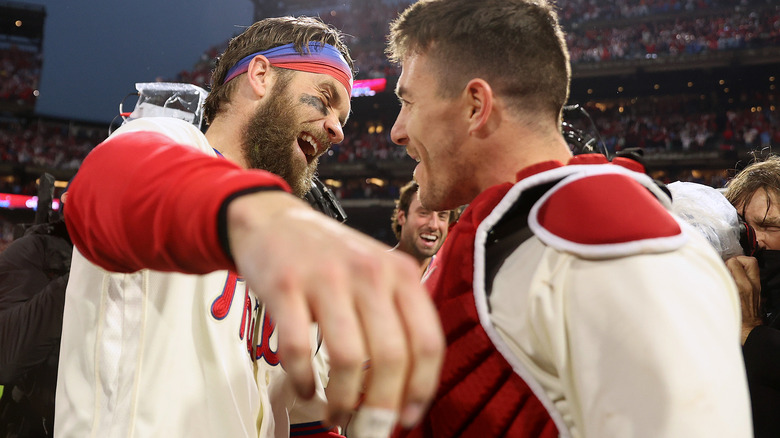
column 146, row 202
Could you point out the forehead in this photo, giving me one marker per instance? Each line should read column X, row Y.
column 758, row 204
column 416, row 77
column 415, row 204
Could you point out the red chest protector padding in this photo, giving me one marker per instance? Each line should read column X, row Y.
column 479, row 394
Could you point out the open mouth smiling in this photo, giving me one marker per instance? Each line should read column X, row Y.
column 310, row 146
column 429, row 237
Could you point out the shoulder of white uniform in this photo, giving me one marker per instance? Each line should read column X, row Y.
column 604, row 211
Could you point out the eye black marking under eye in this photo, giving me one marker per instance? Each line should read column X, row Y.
column 315, row 102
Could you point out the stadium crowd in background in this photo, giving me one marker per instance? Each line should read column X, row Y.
column 20, row 71
column 667, row 123
column 675, row 37
column 697, row 28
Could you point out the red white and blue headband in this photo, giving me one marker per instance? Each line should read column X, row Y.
column 320, row 58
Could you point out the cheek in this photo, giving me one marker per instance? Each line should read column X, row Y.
column 772, row 241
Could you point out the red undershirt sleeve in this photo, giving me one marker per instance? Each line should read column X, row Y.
column 140, row 200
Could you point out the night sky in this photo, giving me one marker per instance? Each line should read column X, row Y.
column 94, row 51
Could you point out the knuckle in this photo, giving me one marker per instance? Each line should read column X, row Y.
column 294, row 349
column 331, row 273
column 346, row 359
column 394, row 357
column 341, row 404
column 284, row 279
column 369, row 267
column 430, row 348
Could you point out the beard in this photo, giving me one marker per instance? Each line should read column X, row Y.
column 268, row 138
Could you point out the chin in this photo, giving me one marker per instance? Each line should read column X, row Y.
column 432, row 200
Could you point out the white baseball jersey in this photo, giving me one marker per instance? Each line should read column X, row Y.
column 152, row 353
column 618, row 349
column 591, row 312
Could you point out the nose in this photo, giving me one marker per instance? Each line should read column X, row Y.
column 398, row 133
column 761, row 239
column 334, row 130
column 435, row 222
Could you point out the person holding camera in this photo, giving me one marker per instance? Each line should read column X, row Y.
column 34, row 273
column 755, row 193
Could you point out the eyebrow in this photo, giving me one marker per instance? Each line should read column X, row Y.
column 764, row 221
column 316, row 102
column 770, row 222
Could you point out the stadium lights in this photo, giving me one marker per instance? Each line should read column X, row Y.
column 58, row 184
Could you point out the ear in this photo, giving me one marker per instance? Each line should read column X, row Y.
column 479, row 99
column 258, row 75
column 401, row 218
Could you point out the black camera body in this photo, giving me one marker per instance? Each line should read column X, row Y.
column 323, row 199
column 747, row 238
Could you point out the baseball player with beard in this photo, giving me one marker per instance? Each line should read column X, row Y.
column 196, row 277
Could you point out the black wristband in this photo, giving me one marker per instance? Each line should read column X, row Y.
column 222, row 231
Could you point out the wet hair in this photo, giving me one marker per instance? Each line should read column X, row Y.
column 760, row 175
column 264, row 35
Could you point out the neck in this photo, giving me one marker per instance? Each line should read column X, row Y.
column 511, row 151
column 226, row 138
column 422, row 262
column 424, row 265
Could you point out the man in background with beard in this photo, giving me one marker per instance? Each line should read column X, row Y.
column 420, row 232
column 191, row 255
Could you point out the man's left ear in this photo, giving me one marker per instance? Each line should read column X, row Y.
column 479, row 99
column 401, row 218
column 258, row 74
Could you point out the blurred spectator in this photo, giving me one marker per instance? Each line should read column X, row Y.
column 20, row 71
column 420, row 231
column 675, row 37
column 33, row 275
